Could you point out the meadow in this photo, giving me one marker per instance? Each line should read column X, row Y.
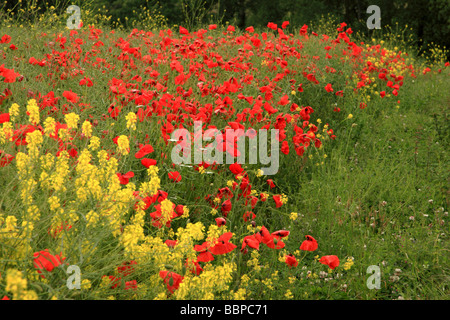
column 92, row 206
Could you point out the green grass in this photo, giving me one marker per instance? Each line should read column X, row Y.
column 387, row 166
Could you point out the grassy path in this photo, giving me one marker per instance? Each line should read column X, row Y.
column 382, row 196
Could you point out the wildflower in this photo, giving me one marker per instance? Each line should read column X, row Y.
column 310, row 244
column 174, row 176
column 291, row 261
column 123, row 144
column 87, row 129
column 332, row 261
column 171, row 279
column 223, row 245
column 131, row 120
column 143, row 151
column 44, row 260
column 72, row 120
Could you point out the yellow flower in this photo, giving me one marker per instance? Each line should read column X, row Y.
column 350, row 116
column 72, row 120
column 33, row 111
column 123, row 145
column 94, row 143
column 14, row 111
column 49, row 126
column 87, row 129
column 131, row 120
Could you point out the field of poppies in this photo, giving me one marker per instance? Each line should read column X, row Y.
column 92, row 205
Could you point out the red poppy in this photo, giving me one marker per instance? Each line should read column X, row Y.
column 331, row 261
column 223, row 245
column 146, row 162
column 71, row 96
column 203, row 250
column 248, row 215
column 236, row 168
column 44, row 260
column 126, row 268
column 114, row 281
column 193, row 266
column 131, row 285
column 268, row 239
column 277, row 199
column 270, row 183
column 171, row 243
column 285, row 147
column 220, row 221
column 310, row 244
column 171, row 279
column 174, row 176
column 226, row 207
column 291, row 261
column 280, row 233
column 4, row 117
column 252, row 241
column 124, row 178
column 5, row 158
column 143, row 151
column 184, row 30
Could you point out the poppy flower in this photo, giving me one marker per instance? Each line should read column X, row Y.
column 268, row 239
column 270, row 183
column 281, row 233
column 5, row 158
column 174, row 176
column 284, row 24
column 331, row 261
column 223, row 245
column 328, row 88
column 114, row 281
column 171, row 279
column 44, row 260
column 131, row 285
column 184, row 30
column 252, row 241
column 291, row 261
column 310, row 244
column 272, row 26
column 143, row 151
column 171, row 243
column 285, row 147
column 220, row 221
column 277, row 199
column 203, row 250
column 71, row 96
column 248, row 215
column 226, row 207
column 146, row 162
column 124, row 178
column 193, row 266
column 4, row 117
column 126, row 268
column 236, row 168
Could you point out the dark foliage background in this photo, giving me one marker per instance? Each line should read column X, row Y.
column 429, row 19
